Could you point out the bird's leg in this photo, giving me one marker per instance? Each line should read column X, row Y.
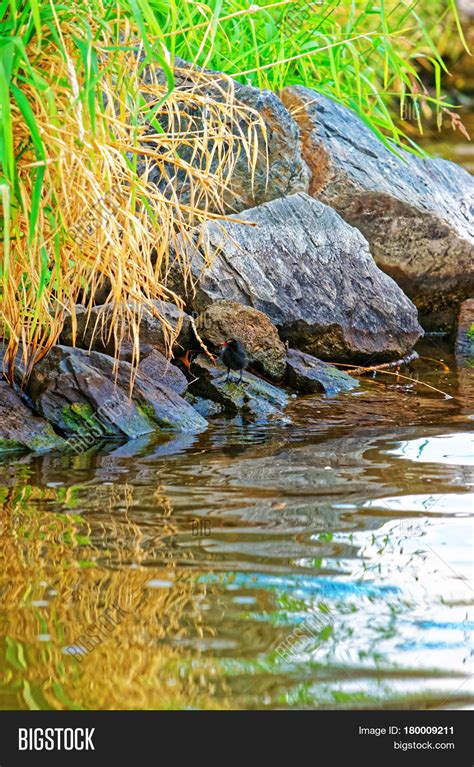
column 228, row 374
column 240, row 379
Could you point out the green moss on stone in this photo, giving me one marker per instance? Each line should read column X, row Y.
column 80, row 418
column 76, row 413
column 8, row 445
column 40, row 442
column 47, row 440
column 147, row 411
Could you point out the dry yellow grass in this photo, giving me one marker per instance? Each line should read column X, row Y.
column 100, row 218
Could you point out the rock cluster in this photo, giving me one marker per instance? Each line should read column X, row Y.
column 332, row 246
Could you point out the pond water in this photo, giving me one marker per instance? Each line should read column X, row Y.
column 323, row 564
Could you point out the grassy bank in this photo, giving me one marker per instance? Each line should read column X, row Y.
column 85, row 121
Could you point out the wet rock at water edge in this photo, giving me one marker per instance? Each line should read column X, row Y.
column 309, row 375
column 228, row 319
column 312, row 274
column 254, row 399
column 20, row 429
column 205, row 407
column 416, row 213
column 465, row 330
column 79, row 392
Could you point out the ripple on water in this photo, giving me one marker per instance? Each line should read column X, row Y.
column 352, row 527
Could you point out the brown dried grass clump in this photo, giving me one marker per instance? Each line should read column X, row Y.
column 101, row 143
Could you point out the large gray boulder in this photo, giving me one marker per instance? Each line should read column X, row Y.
column 302, row 265
column 417, row 214
column 20, row 429
column 155, row 366
column 85, row 398
column 278, row 166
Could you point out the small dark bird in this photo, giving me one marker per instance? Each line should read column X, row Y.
column 234, row 357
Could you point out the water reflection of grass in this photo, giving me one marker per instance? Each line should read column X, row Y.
column 285, row 535
column 152, row 660
column 55, row 584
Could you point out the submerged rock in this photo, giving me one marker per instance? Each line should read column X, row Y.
column 308, row 375
column 81, row 394
column 465, row 330
column 93, row 333
column 228, row 319
column 20, row 429
column 312, row 274
column 254, row 398
column 416, row 213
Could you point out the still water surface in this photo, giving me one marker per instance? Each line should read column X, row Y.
column 348, row 535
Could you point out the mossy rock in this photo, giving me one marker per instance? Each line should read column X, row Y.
column 20, row 429
column 465, row 333
column 205, row 407
column 87, row 399
column 253, row 398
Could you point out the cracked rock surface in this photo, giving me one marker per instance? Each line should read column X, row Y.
column 81, row 394
column 416, row 213
column 297, row 261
